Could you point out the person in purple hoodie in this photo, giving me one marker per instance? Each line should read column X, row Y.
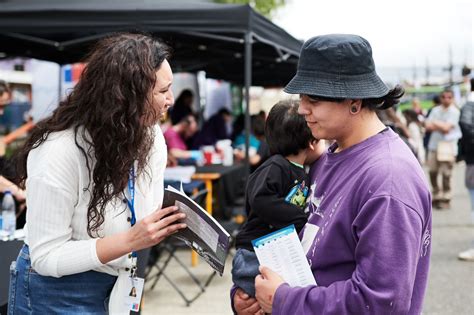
column 368, row 236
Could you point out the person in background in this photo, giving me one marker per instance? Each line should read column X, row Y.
column 443, row 123
column 94, row 176
column 426, row 138
column 416, row 107
column 214, row 129
column 182, row 107
column 5, row 184
column 397, row 123
column 277, row 190
column 466, row 123
column 176, row 136
column 5, row 96
column 256, row 132
column 259, row 151
column 415, row 129
column 368, row 235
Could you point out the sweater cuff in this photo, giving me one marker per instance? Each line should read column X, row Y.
column 93, row 254
column 280, row 298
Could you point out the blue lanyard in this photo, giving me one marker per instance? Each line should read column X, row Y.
column 131, row 202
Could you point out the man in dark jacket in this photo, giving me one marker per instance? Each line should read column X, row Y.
column 466, row 121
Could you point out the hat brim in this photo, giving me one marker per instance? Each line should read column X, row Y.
column 360, row 86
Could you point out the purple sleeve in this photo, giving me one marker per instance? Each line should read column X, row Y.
column 232, row 294
column 388, row 236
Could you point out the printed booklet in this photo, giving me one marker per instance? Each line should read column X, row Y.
column 203, row 233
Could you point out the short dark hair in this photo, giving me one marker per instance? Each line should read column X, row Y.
column 223, row 111
column 258, row 125
column 447, row 90
column 187, row 119
column 4, row 87
column 286, row 131
column 390, row 99
column 411, row 116
column 326, row 99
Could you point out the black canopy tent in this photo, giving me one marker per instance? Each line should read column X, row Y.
column 204, row 36
column 229, row 42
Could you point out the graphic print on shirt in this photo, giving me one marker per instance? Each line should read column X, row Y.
column 313, row 205
column 425, row 243
column 297, row 195
column 323, row 224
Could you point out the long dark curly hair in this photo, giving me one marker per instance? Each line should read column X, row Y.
column 108, row 110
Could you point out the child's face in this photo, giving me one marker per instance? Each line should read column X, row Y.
column 314, row 151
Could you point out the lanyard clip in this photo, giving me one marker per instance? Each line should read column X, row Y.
column 133, row 272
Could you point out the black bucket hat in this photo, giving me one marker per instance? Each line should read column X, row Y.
column 337, row 66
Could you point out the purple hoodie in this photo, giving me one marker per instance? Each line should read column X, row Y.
column 368, row 236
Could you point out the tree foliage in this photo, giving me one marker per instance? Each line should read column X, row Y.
column 265, row 7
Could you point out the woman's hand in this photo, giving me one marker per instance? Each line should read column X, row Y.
column 239, row 155
column 266, row 284
column 171, row 161
column 155, row 227
column 146, row 233
column 245, row 305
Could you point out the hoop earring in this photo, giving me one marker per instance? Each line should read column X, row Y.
column 354, row 109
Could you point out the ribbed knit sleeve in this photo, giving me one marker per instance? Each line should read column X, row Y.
column 159, row 157
column 52, row 189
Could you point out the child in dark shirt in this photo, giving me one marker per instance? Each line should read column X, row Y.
column 277, row 190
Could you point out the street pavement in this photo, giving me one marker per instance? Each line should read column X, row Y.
column 451, row 281
column 450, row 287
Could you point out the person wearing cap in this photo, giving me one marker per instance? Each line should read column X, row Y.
column 368, row 236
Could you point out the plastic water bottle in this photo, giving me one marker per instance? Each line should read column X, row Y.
column 8, row 214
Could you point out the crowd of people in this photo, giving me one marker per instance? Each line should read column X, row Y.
column 433, row 138
column 185, row 137
column 342, row 164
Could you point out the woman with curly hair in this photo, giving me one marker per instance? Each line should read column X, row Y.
column 94, row 178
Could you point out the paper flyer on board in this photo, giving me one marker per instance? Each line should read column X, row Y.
column 282, row 252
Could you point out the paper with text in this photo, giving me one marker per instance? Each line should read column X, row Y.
column 281, row 251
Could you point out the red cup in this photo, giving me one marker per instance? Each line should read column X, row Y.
column 208, row 157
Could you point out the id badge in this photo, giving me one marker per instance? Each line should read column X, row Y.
column 133, row 293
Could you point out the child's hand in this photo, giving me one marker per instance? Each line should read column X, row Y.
column 314, row 151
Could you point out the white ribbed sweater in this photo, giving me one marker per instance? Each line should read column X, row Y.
column 56, row 229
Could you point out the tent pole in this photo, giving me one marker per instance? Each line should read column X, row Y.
column 217, row 37
column 32, row 39
column 59, row 83
column 248, row 83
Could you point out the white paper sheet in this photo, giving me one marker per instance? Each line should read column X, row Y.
column 282, row 252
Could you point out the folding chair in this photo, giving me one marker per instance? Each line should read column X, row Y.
column 162, row 254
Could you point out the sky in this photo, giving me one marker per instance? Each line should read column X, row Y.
column 403, row 33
